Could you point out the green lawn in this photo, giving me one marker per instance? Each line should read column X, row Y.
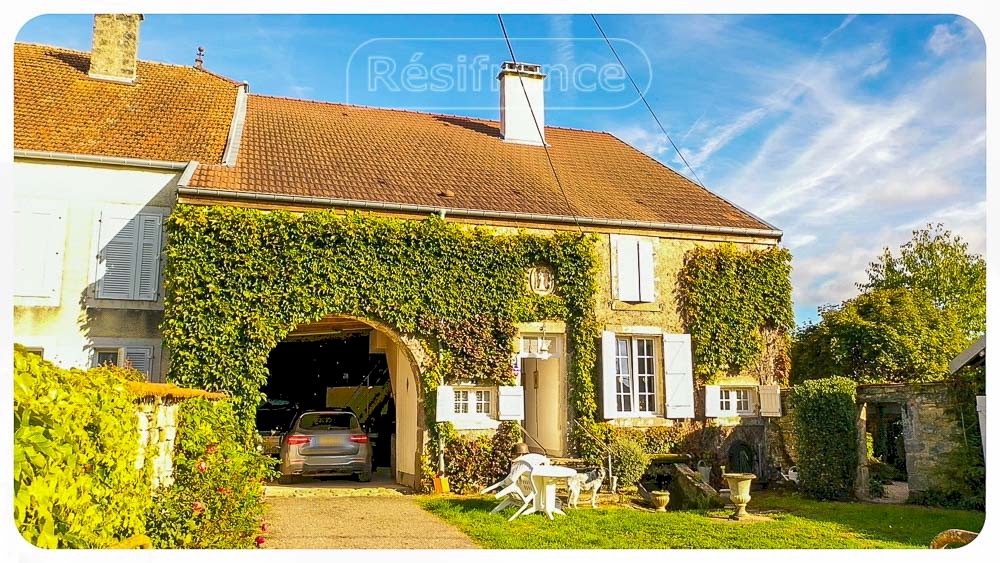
column 795, row 523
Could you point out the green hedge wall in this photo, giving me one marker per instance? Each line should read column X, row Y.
column 825, row 425
column 238, row 280
column 75, row 445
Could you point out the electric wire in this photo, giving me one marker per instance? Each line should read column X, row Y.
column 643, row 98
column 541, row 135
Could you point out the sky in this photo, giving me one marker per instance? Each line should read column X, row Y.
column 845, row 132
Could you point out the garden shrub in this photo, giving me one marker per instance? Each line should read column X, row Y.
column 471, row 464
column 824, row 421
column 216, row 498
column 593, row 447
column 75, row 447
column 628, row 461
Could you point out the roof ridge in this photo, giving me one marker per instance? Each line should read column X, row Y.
column 144, row 61
column 413, row 111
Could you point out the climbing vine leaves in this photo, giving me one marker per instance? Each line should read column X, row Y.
column 239, row 280
column 729, row 298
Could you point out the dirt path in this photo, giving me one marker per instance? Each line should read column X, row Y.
column 337, row 518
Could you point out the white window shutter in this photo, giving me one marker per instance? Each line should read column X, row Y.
column 148, row 259
column 678, row 375
column 117, row 257
column 141, row 359
column 510, row 405
column 39, row 236
column 712, row 401
column 627, row 250
column 609, row 400
column 770, row 400
column 445, row 403
column 647, row 277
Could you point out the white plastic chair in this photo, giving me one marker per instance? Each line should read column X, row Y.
column 516, row 488
column 793, row 474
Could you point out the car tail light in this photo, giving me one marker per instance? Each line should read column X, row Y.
column 297, row 440
column 360, row 438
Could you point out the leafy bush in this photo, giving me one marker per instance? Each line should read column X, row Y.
column 883, row 336
column 75, row 447
column 824, row 413
column 472, row 464
column 216, row 498
column 662, row 439
column 628, row 461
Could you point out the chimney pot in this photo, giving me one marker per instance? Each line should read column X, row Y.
column 522, row 103
column 115, row 51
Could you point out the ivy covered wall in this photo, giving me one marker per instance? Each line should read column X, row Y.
column 239, row 280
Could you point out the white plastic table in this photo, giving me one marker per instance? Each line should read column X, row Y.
column 545, row 478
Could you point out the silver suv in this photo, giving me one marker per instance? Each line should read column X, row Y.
column 326, row 442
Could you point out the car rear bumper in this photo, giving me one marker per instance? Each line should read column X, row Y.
column 326, row 465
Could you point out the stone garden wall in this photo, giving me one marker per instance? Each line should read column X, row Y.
column 930, row 432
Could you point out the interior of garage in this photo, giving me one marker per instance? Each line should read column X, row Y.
column 318, row 369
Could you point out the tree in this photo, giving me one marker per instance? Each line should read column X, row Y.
column 883, row 336
column 938, row 263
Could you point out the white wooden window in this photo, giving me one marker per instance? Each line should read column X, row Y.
column 635, row 375
column 128, row 259
column 473, row 401
column 139, row 358
column 39, row 238
column 729, row 401
column 634, row 266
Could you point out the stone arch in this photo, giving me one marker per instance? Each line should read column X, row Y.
column 407, row 359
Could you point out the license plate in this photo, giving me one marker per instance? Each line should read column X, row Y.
column 330, row 440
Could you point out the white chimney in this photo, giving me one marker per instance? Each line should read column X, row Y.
column 517, row 125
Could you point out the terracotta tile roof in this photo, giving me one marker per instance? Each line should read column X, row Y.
column 172, row 112
column 305, row 148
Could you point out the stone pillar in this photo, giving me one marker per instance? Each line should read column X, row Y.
column 115, row 51
column 861, row 479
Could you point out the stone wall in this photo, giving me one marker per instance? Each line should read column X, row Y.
column 930, row 432
column 156, row 419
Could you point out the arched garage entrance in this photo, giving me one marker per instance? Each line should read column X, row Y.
column 345, row 362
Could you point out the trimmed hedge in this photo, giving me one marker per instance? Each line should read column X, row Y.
column 824, row 421
column 474, row 463
column 75, row 482
column 75, row 442
column 628, row 461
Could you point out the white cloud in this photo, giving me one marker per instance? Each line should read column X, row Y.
column 644, row 139
column 846, row 22
column 947, row 37
column 876, row 69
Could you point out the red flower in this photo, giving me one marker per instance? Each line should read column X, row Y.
column 224, row 490
column 86, row 467
column 198, row 506
column 259, row 541
column 263, row 527
column 202, row 466
column 211, row 449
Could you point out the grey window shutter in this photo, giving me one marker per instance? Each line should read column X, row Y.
column 118, row 243
column 148, row 262
column 770, row 400
column 39, row 236
column 141, row 359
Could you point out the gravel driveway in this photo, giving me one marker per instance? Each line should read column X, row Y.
column 337, row 518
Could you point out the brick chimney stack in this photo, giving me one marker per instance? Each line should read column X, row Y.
column 116, row 47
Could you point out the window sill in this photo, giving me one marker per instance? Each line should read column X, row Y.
column 95, row 303
column 626, row 306
column 475, row 423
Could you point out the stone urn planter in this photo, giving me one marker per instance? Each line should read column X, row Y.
column 660, row 500
column 739, row 492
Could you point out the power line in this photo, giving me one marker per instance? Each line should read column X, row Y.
column 541, row 135
column 643, row 98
